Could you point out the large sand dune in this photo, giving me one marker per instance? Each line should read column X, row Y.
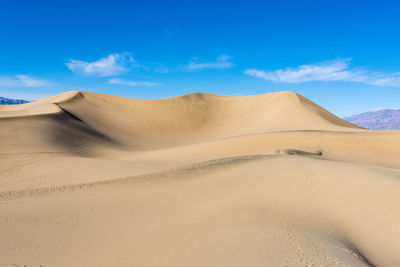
column 196, row 180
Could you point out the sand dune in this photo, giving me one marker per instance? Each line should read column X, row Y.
column 89, row 179
column 149, row 124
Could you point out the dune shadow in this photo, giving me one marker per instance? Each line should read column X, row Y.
column 295, row 152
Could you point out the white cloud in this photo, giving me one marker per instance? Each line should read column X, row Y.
column 222, row 62
column 112, row 65
column 333, row 70
column 22, row 81
column 132, row 83
column 387, row 80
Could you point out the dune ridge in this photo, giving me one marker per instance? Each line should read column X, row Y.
column 149, row 124
column 89, row 179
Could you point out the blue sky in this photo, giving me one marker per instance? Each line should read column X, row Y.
column 344, row 55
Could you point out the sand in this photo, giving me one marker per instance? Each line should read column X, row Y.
column 89, row 179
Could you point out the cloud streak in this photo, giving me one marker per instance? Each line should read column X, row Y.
column 111, row 65
column 333, row 70
column 132, row 83
column 222, row 62
column 22, row 81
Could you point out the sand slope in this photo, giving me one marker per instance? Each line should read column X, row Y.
column 148, row 124
column 196, row 180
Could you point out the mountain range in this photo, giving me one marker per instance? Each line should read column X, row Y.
column 385, row 119
column 10, row 101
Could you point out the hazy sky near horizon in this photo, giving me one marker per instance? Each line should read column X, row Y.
column 344, row 55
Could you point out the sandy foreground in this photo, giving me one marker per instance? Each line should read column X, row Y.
column 197, row 180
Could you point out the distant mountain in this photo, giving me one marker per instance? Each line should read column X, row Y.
column 9, row 101
column 386, row 119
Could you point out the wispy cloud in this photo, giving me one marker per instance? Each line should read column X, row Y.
column 387, row 80
column 222, row 62
column 132, row 83
column 22, row 81
column 111, row 65
column 333, row 70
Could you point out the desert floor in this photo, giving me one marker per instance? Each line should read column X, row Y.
column 196, row 180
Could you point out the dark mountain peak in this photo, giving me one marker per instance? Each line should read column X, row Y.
column 10, row 101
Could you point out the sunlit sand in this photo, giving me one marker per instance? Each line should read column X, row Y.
column 89, row 179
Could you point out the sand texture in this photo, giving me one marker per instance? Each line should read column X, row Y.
column 89, row 179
